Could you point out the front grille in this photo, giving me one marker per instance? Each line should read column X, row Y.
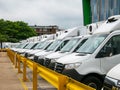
column 47, row 62
column 107, row 87
column 40, row 61
column 36, row 58
column 29, row 55
column 26, row 55
column 51, row 65
column 107, row 84
column 59, row 67
column 115, row 88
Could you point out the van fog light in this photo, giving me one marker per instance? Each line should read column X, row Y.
column 53, row 60
column 118, row 83
column 41, row 57
column 72, row 65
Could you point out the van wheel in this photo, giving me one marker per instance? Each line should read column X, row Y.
column 93, row 82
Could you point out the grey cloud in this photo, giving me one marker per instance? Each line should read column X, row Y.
column 66, row 13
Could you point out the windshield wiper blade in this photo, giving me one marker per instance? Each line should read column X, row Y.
column 84, row 52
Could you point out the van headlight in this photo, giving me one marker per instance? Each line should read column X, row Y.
column 41, row 57
column 53, row 60
column 72, row 65
column 118, row 83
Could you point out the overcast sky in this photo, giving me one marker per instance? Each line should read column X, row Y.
column 64, row 13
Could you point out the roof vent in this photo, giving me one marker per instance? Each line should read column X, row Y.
column 110, row 20
column 66, row 31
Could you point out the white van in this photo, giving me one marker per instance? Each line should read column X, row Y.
column 112, row 79
column 57, row 45
column 43, row 46
column 19, row 47
column 30, row 50
column 95, row 57
column 28, row 47
column 69, row 48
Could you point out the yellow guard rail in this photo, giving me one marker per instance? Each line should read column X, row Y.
column 59, row 81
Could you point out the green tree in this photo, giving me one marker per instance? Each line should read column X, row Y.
column 3, row 38
column 14, row 31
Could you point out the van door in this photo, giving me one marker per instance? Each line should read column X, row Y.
column 110, row 54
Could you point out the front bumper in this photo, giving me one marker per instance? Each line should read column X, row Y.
column 110, row 84
column 60, row 68
column 73, row 74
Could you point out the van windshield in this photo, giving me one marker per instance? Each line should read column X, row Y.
column 92, row 43
column 70, row 45
column 53, row 45
column 30, row 45
column 21, row 45
column 43, row 45
column 38, row 45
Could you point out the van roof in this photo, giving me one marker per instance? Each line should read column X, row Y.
column 111, row 24
column 70, row 32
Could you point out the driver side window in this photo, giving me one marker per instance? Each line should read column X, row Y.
column 112, row 47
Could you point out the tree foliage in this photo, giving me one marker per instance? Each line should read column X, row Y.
column 14, row 31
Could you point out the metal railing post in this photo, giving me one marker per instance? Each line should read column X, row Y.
column 62, row 83
column 24, row 70
column 34, row 76
column 19, row 58
column 10, row 56
column 16, row 60
column 13, row 56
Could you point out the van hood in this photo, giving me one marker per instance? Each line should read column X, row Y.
column 22, row 50
column 34, row 51
column 43, row 53
column 13, row 48
column 29, row 51
column 56, row 55
column 114, row 72
column 18, row 49
column 39, row 52
column 73, row 58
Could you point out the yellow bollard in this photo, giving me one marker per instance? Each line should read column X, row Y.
column 24, row 70
column 62, row 82
column 19, row 70
column 16, row 60
column 12, row 55
column 34, row 76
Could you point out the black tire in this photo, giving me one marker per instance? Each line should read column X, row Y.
column 93, row 82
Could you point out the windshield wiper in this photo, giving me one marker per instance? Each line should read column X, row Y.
column 84, row 52
column 62, row 51
column 48, row 50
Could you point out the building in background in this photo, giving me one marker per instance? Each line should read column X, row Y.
column 40, row 30
column 99, row 10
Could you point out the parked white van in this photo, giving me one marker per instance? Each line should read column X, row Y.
column 28, row 47
column 95, row 57
column 58, row 44
column 43, row 46
column 112, row 79
column 69, row 48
